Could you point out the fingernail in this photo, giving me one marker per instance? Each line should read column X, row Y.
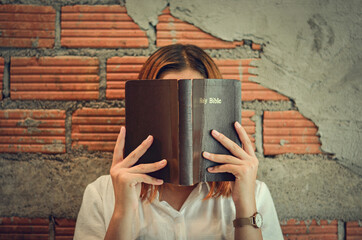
column 237, row 124
column 149, row 138
column 206, row 154
column 163, row 161
column 159, row 180
column 211, row 168
column 215, row 133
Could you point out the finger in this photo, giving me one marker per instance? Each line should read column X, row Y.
column 133, row 157
column 118, row 148
column 244, row 138
column 148, row 168
column 221, row 158
column 230, row 168
column 139, row 178
column 235, row 149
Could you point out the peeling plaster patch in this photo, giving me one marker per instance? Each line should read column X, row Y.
column 144, row 12
column 283, row 142
column 312, row 54
column 30, row 124
column 56, row 146
column 35, row 42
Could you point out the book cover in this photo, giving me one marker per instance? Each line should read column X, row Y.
column 180, row 115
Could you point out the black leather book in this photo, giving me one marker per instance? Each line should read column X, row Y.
column 180, row 115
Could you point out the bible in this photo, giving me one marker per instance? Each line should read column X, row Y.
column 180, row 115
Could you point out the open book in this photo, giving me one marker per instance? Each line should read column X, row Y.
column 180, row 115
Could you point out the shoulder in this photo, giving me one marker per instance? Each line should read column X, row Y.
column 262, row 192
column 100, row 186
column 260, row 186
column 101, row 181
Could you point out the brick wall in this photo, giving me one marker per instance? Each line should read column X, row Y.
column 85, row 55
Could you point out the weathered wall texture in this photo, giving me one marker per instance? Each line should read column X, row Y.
column 312, row 54
column 63, row 65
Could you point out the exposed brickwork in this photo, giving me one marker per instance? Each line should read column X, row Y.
column 310, row 230
column 54, row 78
column 97, row 129
column 256, row 46
column 27, row 26
column 171, row 30
column 100, row 27
column 32, row 131
column 24, row 228
column 354, row 230
column 248, row 124
column 1, row 77
column 64, row 229
column 289, row 131
column 110, row 32
column 38, row 228
column 119, row 70
column 239, row 69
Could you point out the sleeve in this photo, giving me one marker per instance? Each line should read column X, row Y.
column 271, row 228
column 90, row 221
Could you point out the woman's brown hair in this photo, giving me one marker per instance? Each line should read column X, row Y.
column 178, row 57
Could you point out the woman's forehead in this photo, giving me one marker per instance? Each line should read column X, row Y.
column 187, row 73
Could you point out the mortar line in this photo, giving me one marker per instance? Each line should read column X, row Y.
column 51, row 228
column 102, row 78
column 68, row 131
column 259, row 133
column 57, row 43
column 6, row 78
column 341, row 230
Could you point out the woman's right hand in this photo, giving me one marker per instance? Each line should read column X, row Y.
column 127, row 178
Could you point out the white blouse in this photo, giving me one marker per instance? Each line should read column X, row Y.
column 197, row 218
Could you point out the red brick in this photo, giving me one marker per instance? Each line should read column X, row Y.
column 354, row 230
column 119, row 70
column 171, row 30
column 54, row 78
column 97, row 129
column 32, row 131
column 24, row 228
column 100, row 27
column 308, row 230
column 64, row 229
column 248, row 124
column 239, row 69
column 1, row 76
column 289, row 132
column 255, row 46
column 27, row 26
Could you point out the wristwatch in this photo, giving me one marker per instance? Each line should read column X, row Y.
column 256, row 220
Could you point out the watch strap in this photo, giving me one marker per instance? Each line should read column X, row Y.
column 239, row 222
column 256, row 221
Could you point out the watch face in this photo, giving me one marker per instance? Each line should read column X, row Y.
column 258, row 220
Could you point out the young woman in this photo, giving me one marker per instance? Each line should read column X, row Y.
column 129, row 204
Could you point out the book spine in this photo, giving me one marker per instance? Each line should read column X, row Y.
column 185, row 132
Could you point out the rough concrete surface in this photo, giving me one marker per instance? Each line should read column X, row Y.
column 312, row 187
column 312, row 54
column 33, row 186
column 36, row 187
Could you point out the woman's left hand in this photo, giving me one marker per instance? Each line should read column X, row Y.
column 243, row 164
